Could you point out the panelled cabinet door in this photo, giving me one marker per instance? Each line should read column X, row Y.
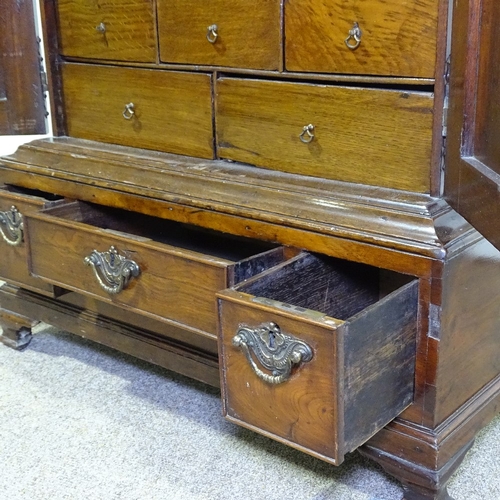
column 22, row 108
column 472, row 180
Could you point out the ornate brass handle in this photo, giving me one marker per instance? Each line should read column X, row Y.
column 307, row 134
column 129, row 111
column 212, row 33
column 12, row 226
column 113, row 271
column 355, row 35
column 101, row 28
column 275, row 351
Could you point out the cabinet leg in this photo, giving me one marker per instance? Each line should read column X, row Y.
column 419, row 483
column 16, row 329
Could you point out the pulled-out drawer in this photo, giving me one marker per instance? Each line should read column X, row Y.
column 318, row 353
column 162, row 110
column 342, row 133
column 234, row 33
column 121, row 30
column 152, row 266
column 15, row 203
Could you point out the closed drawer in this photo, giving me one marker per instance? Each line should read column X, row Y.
column 233, row 33
column 393, row 37
column 355, row 134
column 15, row 203
column 318, row 353
column 151, row 109
column 121, row 30
column 151, row 266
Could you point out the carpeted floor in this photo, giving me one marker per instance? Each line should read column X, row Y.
column 82, row 422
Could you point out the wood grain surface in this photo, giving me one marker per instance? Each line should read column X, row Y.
column 248, row 34
column 14, row 259
column 129, row 29
column 369, row 136
column 172, row 110
column 398, row 37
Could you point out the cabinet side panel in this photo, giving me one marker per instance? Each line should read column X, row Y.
column 469, row 344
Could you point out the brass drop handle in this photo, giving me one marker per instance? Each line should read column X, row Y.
column 129, row 111
column 112, row 270
column 307, row 134
column 212, row 33
column 12, row 226
column 276, row 351
column 354, row 39
column 101, row 28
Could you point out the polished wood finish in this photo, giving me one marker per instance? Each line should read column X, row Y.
column 176, row 282
column 15, row 330
column 366, row 191
column 361, row 345
column 13, row 258
column 172, row 111
column 248, row 33
column 260, row 122
column 472, row 164
column 22, row 106
column 116, row 29
column 153, row 347
column 397, row 37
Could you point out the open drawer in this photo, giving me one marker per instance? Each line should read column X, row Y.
column 15, row 203
column 318, row 353
column 152, row 266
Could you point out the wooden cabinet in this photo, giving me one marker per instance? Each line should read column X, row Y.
column 276, row 189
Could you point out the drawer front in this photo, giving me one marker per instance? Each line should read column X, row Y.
column 304, row 410
column 356, row 135
column 84, row 249
column 394, row 37
column 14, row 261
column 313, row 354
column 160, row 110
column 220, row 32
column 121, row 30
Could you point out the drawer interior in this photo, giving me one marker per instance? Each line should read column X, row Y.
column 175, row 234
column 334, row 287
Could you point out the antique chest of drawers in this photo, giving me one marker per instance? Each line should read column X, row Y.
column 259, row 195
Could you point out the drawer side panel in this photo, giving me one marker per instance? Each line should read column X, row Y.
column 379, row 349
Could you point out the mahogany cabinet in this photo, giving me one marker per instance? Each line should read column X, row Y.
column 297, row 202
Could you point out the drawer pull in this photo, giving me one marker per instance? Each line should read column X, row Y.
column 129, row 111
column 354, row 38
column 212, row 33
column 113, row 271
column 11, row 226
column 101, row 28
column 275, row 351
column 307, row 134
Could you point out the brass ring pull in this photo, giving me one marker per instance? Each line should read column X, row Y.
column 12, row 227
column 212, row 33
column 129, row 111
column 354, row 34
column 101, row 28
column 274, row 350
column 307, row 134
column 112, row 271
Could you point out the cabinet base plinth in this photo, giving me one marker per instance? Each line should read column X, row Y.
column 16, row 330
column 419, row 483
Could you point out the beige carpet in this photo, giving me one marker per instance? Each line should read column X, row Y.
column 82, row 422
